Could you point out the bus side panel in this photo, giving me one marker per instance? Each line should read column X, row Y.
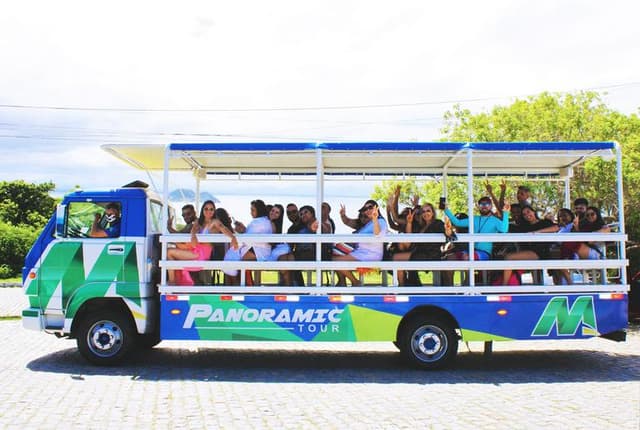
column 547, row 316
column 376, row 318
column 303, row 318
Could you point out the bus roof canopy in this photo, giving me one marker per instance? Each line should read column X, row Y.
column 377, row 158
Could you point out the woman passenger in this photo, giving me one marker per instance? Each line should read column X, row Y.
column 256, row 251
column 533, row 250
column 365, row 251
column 207, row 223
column 276, row 216
column 421, row 251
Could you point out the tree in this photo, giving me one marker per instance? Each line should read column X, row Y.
column 26, row 204
column 565, row 117
column 24, row 210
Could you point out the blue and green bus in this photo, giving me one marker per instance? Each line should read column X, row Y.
column 112, row 294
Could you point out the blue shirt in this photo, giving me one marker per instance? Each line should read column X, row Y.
column 482, row 224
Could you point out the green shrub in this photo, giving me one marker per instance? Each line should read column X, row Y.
column 15, row 243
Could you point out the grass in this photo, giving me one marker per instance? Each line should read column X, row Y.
column 17, row 280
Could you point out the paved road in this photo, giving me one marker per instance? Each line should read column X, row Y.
column 564, row 384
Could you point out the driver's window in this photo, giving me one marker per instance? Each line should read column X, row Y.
column 81, row 216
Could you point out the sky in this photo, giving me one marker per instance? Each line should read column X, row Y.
column 76, row 74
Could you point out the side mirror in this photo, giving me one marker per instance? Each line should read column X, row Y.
column 61, row 218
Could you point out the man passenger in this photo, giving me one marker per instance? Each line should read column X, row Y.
column 188, row 215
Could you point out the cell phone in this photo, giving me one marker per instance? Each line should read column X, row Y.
column 443, row 203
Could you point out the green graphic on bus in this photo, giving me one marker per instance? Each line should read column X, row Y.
column 567, row 320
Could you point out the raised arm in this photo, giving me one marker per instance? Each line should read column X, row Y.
column 349, row 222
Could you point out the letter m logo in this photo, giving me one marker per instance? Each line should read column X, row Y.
column 567, row 320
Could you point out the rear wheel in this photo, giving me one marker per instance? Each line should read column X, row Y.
column 428, row 342
column 106, row 337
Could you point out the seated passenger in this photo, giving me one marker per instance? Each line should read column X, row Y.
column 366, row 251
column 188, row 215
column 304, row 251
column 276, row 216
column 486, row 223
column 207, row 223
column 420, row 251
column 107, row 224
column 592, row 222
column 256, row 251
column 533, row 250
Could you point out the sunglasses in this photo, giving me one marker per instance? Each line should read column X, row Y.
column 591, row 214
column 484, row 205
column 368, row 207
column 209, row 209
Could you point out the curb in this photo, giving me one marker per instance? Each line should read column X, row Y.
column 10, row 285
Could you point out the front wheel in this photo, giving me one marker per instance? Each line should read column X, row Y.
column 105, row 338
column 428, row 342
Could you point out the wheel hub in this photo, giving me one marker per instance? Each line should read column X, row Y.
column 105, row 337
column 429, row 343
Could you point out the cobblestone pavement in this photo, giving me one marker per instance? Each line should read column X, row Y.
column 591, row 384
column 12, row 301
column 562, row 384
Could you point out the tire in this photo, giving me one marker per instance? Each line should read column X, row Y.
column 428, row 342
column 106, row 337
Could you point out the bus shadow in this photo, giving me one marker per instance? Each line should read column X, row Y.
column 288, row 366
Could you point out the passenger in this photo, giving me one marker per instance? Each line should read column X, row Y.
column 256, row 251
column 293, row 215
column 421, row 251
column 194, row 250
column 365, row 251
column 533, row 250
column 220, row 249
column 580, row 208
column 486, row 223
column 107, row 224
column 304, row 251
column 326, row 218
column 188, row 215
column 516, row 217
column 397, row 221
column 276, row 216
column 564, row 249
column 593, row 222
column 524, row 196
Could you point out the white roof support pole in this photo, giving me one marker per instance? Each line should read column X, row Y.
column 319, row 200
column 471, row 206
column 444, row 182
column 567, row 189
column 165, row 210
column 197, row 191
column 623, row 251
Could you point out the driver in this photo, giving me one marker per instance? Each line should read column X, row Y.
column 111, row 222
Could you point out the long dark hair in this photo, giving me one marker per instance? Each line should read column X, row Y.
column 201, row 217
column 278, row 222
column 224, row 218
column 592, row 225
column 261, row 208
column 523, row 207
